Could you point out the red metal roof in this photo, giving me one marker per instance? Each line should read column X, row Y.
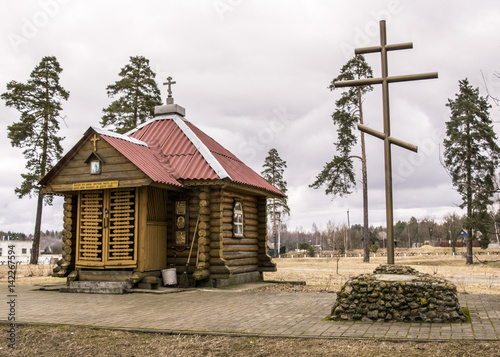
column 210, row 143
column 237, row 170
column 143, row 157
column 169, row 148
column 189, row 160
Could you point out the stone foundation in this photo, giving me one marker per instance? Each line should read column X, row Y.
column 97, row 287
column 237, row 279
column 398, row 293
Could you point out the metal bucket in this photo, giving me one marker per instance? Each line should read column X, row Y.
column 169, row 276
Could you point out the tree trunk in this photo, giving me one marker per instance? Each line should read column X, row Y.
column 468, row 258
column 35, row 248
column 468, row 241
column 495, row 226
column 409, row 238
column 366, row 233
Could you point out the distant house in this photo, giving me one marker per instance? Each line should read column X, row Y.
column 22, row 250
column 270, row 249
column 136, row 203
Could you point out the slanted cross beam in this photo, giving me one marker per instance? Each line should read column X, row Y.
column 386, row 135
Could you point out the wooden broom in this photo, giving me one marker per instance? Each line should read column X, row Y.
column 184, row 281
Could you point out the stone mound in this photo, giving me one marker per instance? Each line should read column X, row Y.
column 395, row 269
column 398, row 293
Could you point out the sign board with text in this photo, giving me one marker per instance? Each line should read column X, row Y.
column 96, row 185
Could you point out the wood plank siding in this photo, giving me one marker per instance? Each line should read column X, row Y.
column 115, row 166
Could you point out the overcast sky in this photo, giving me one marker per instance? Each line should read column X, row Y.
column 254, row 75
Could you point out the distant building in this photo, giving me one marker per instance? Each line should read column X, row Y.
column 22, row 250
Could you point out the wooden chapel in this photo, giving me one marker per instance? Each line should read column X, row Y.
column 135, row 204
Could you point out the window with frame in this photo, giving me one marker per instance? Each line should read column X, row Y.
column 238, row 219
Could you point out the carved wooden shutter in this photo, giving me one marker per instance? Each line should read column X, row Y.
column 121, row 225
column 107, row 229
column 91, row 226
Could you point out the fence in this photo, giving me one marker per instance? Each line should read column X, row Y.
column 381, row 254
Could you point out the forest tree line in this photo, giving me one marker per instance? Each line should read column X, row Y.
column 407, row 234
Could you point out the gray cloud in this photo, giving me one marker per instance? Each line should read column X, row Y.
column 239, row 63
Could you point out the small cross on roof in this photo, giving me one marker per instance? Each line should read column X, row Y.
column 169, row 83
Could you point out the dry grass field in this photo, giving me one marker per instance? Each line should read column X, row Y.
column 320, row 274
column 483, row 277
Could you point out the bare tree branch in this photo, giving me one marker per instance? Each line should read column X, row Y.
column 494, row 99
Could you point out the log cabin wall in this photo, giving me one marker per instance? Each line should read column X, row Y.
column 70, row 210
column 232, row 254
column 219, row 227
column 265, row 263
column 217, row 252
column 203, row 234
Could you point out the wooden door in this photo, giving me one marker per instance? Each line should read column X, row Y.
column 107, row 232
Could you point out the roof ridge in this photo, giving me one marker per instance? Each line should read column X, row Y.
column 202, row 148
column 156, row 118
column 115, row 135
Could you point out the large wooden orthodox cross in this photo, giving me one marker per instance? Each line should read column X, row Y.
column 386, row 135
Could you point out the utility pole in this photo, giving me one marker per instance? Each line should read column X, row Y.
column 348, row 229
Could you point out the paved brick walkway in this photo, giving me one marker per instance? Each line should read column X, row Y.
column 239, row 311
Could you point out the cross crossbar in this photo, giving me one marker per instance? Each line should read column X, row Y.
column 392, row 140
column 399, row 46
column 391, row 79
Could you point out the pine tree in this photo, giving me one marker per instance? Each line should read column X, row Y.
column 338, row 175
column 277, row 208
column 39, row 102
column 453, row 225
column 137, row 93
column 471, row 156
column 413, row 234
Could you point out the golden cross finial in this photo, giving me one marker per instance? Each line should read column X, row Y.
column 94, row 140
